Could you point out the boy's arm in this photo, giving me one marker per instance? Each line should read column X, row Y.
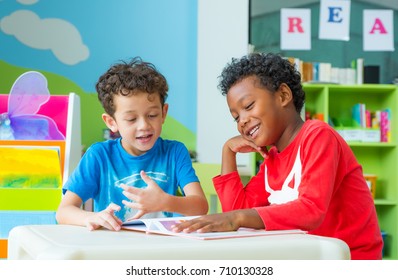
column 233, row 146
column 228, row 160
column 193, row 203
column 70, row 212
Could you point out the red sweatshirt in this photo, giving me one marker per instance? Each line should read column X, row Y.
column 314, row 184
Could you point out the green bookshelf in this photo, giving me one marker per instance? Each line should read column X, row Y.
column 381, row 159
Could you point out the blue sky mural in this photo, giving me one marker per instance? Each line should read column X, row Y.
column 81, row 39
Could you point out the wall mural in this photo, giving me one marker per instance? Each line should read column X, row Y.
column 73, row 42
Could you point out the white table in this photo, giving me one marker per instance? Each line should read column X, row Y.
column 64, row 242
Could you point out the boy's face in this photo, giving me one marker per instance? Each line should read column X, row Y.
column 257, row 112
column 139, row 121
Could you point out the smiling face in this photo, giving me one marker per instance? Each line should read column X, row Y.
column 138, row 119
column 257, row 111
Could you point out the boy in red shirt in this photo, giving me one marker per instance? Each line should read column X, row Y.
column 310, row 178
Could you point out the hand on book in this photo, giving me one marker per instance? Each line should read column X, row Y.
column 105, row 218
column 208, row 223
column 227, row 221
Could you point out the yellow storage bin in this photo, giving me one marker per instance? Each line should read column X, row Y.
column 371, row 181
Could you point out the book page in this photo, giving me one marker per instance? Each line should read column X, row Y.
column 156, row 224
column 164, row 226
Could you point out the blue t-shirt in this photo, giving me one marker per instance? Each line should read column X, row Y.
column 105, row 165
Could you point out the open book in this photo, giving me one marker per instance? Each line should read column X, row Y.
column 164, row 226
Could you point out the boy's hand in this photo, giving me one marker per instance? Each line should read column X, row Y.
column 209, row 223
column 227, row 221
column 145, row 200
column 105, row 218
column 238, row 144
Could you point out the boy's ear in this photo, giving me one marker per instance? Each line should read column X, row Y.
column 164, row 111
column 286, row 94
column 110, row 122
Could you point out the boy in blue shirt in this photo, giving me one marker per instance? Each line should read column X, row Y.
column 138, row 174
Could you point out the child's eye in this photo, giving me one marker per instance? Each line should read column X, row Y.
column 131, row 120
column 153, row 116
column 248, row 107
column 236, row 119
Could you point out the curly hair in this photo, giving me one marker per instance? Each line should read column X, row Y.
column 271, row 70
column 129, row 78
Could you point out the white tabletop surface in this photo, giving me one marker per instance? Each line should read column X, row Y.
column 73, row 242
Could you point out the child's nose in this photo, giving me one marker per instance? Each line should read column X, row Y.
column 243, row 120
column 143, row 123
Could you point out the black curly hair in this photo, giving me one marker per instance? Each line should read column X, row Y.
column 271, row 70
column 129, row 78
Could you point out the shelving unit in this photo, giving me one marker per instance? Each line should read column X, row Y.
column 336, row 101
column 381, row 159
column 21, row 205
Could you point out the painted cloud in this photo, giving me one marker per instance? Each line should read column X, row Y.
column 57, row 35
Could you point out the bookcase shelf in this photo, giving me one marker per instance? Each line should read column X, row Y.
column 33, row 204
column 378, row 158
column 381, row 145
column 387, row 202
column 381, row 159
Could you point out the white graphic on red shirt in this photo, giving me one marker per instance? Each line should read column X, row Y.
column 287, row 193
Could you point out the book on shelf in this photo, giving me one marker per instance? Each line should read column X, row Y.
column 358, row 66
column 324, row 72
column 321, row 72
column 307, row 72
column 367, row 125
column 296, row 62
column 163, row 226
column 385, row 126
